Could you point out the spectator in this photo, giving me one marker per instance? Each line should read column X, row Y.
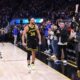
column 46, row 29
column 15, row 34
column 55, row 41
column 62, row 41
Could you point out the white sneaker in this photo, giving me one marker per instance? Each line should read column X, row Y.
column 33, row 66
column 29, row 69
column 45, row 51
column 53, row 56
column 65, row 62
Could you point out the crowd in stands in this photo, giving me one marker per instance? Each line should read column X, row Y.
column 54, row 36
column 51, row 9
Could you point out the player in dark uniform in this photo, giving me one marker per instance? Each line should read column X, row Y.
column 32, row 32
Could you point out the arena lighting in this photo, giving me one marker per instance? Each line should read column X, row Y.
column 25, row 21
column 37, row 20
column 17, row 21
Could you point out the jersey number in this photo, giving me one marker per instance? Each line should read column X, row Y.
column 32, row 33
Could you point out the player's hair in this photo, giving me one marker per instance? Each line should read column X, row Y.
column 30, row 18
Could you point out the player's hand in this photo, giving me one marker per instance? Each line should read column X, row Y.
column 39, row 42
column 24, row 44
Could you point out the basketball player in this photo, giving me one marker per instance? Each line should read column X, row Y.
column 32, row 32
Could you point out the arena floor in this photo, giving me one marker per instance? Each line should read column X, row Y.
column 13, row 66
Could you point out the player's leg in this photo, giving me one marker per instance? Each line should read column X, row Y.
column 28, row 60
column 33, row 56
column 33, row 60
column 28, row 56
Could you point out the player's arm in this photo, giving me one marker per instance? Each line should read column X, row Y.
column 23, row 35
column 38, row 33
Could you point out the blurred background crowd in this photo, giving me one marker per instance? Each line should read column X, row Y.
column 46, row 9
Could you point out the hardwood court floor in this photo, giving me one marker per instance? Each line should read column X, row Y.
column 13, row 66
